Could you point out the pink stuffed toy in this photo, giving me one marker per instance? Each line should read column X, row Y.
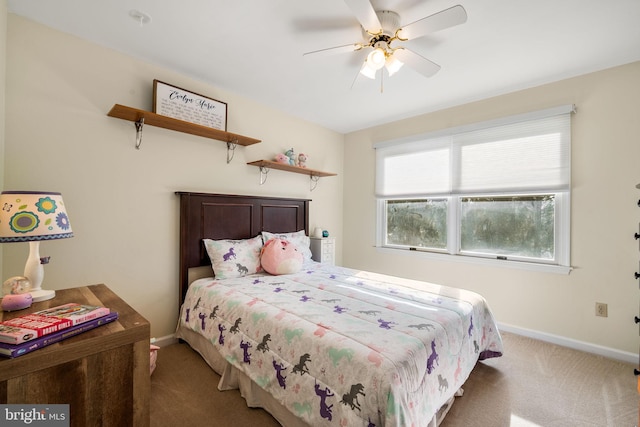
column 280, row 256
column 281, row 158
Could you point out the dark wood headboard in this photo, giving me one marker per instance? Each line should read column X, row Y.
column 226, row 216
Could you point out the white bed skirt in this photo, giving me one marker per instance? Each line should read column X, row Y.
column 233, row 379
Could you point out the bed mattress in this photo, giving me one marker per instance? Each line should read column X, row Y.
column 336, row 346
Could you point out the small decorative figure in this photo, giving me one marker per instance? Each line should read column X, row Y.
column 302, row 160
column 16, row 285
column 291, row 155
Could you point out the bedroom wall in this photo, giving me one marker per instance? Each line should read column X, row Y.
column 604, row 216
column 120, row 200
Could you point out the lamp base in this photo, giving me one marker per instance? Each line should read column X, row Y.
column 42, row 295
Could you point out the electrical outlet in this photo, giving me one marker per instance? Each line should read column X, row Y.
column 601, row 309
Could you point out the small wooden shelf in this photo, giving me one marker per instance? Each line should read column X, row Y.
column 153, row 119
column 265, row 165
column 289, row 168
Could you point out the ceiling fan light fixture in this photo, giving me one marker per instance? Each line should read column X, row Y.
column 377, row 58
column 393, row 65
column 383, row 34
column 368, row 71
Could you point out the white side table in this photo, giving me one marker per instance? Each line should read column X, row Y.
column 323, row 249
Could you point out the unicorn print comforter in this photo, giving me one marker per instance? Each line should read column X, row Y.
column 341, row 347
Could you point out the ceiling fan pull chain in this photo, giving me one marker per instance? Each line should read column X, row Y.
column 356, row 78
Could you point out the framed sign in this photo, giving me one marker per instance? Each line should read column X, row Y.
column 181, row 104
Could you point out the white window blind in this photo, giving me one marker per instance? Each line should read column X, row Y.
column 518, row 154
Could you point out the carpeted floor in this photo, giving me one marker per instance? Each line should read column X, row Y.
column 533, row 384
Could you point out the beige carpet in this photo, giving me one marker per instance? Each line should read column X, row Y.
column 533, row 384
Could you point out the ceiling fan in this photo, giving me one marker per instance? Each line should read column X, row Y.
column 383, row 31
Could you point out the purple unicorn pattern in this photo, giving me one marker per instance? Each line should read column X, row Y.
column 245, row 346
column 386, row 324
column 325, row 410
column 433, row 358
column 279, row 367
column 229, row 255
column 221, row 328
column 339, row 310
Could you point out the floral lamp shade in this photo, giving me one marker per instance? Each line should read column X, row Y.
column 29, row 215
column 32, row 216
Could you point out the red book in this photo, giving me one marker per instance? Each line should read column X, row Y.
column 30, row 326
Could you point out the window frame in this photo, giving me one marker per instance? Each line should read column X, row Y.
column 562, row 227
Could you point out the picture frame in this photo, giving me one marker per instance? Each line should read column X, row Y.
column 178, row 103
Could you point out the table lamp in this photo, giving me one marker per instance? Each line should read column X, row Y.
column 32, row 216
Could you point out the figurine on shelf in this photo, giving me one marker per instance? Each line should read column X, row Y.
column 291, row 155
column 302, row 160
column 282, row 158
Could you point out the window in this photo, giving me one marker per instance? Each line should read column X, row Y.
column 417, row 223
column 512, row 226
column 497, row 189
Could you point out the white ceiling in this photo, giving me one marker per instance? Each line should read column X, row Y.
column 255, row 48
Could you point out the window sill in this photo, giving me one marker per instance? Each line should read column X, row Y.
column 520, row 265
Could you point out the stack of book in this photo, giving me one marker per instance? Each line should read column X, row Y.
column 29, row 332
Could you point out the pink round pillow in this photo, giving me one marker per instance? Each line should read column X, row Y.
column 280, row 257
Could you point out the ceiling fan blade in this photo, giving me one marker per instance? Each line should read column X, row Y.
column 455, row 15
column 307, row 25
column 365, row 14
column 335, row 50
column 417, row 62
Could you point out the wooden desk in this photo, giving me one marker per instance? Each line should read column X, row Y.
column 103, row 374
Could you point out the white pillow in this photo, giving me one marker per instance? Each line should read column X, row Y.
column 298, row 238
column 234, row 258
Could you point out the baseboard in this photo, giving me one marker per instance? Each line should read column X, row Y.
column 164, row 341
column 611, row 353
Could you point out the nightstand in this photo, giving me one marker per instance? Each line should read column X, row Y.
column 323, row 250
column 102, row 374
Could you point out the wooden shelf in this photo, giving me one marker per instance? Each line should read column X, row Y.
column 266, row 165
column 289, row 168
column 153, row 119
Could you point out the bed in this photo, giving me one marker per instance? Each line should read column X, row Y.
column 327, row 345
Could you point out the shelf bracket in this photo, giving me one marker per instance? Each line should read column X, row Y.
column 313, row 182
column 231, row 149
column 139, row 124
column 263, row 174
